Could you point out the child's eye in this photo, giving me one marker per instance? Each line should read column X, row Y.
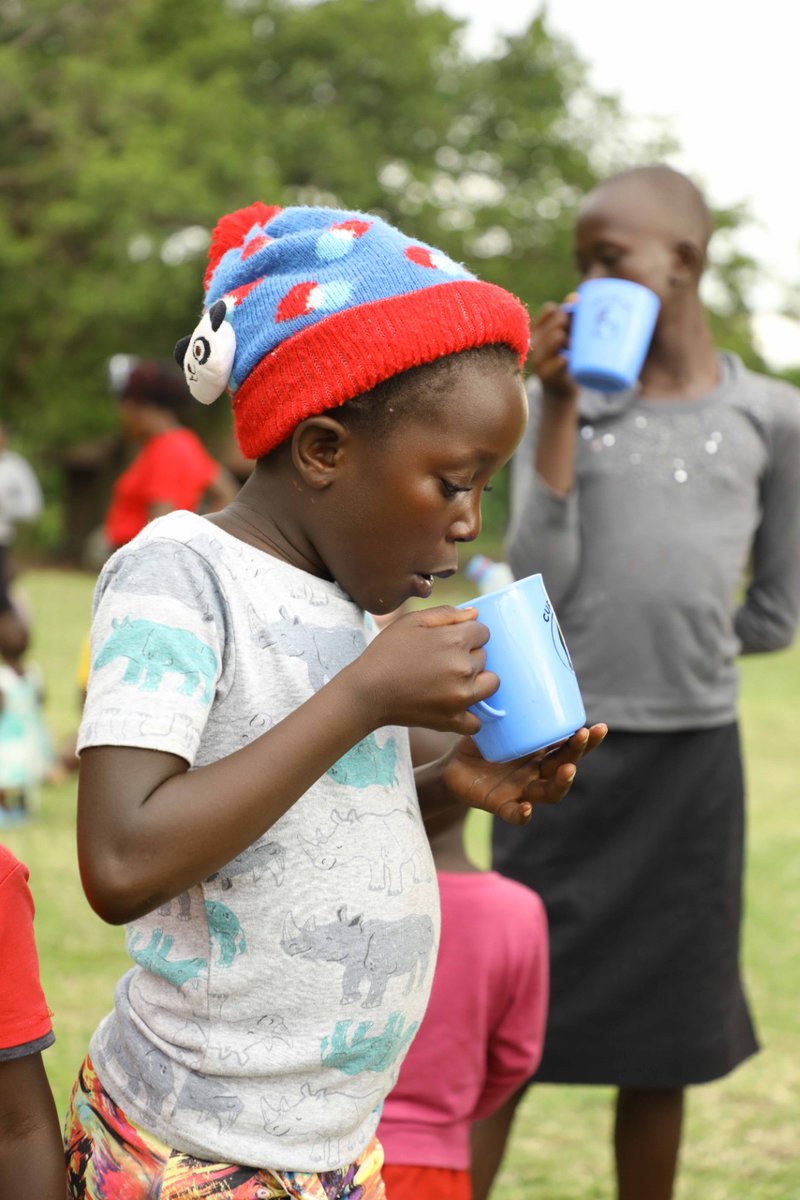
column 453, row 489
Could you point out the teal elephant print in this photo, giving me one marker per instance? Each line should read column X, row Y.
column 364, row 1053
column 155, row 957
column 224, row 928
column 154, row 650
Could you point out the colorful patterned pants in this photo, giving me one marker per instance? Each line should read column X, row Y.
column 110, row 1158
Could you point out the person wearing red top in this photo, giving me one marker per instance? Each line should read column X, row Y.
column 173, row 469
column 31, row 1151
column 481, row 1036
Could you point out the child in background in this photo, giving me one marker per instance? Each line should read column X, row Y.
column 483, row 1030
column 31, row 1153
column 26, row 749
column 642, row 509
column 20, row 501
column 280, row 897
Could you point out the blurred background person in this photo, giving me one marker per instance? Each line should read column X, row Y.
column 172, row 470
column 31, row 1151
column 642, row 509
column 20, row 501
column 26, row 753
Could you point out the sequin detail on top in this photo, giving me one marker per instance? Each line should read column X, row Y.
column 111, row 1158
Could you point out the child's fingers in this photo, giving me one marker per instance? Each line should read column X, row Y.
column 574, row 749
column 485, row 685
column 445, row 614
column 554, row 789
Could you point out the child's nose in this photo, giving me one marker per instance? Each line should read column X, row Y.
column 467, row 524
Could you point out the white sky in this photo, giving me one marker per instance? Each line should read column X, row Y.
column 726, row 78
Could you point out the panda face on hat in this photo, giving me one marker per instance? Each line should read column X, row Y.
column 207, row 355
column 308, row 307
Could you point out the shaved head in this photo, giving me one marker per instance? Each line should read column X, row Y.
column 663, row 197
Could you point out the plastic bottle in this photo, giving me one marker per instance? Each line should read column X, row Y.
column 488, row 574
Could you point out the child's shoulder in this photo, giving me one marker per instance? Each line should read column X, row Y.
column 493, row 892
column 180, row 550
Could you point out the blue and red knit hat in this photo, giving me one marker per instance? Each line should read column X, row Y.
column 306, row 308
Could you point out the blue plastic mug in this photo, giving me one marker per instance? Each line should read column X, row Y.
column 538, row 702
column 612, row 326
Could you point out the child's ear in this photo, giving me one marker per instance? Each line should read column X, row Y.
column 318, row 444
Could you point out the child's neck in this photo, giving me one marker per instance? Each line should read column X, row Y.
column 682, row 363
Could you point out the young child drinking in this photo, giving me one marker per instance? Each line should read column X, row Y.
column 247, row 802
column 483, row 1030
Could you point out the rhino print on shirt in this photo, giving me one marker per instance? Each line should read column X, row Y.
column 387, row 846
column 374, row 950
column 153, row 649
column 331, row 648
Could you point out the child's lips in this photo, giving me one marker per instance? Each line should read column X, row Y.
column 424, row 581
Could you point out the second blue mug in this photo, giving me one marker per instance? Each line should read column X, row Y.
column 611, row 329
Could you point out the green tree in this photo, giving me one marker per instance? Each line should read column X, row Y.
column 130, row 125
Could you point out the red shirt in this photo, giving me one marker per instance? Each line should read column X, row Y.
column 24, row 1015
column 173, row 468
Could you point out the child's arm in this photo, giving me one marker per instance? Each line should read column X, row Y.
column 507, row 790
column 544, row 530
column 767, row 619
column 148, row 828
column 31, row 1152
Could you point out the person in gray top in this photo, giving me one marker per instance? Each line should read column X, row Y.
column 645, row 510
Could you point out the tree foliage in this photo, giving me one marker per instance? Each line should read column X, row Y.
column 130, row 125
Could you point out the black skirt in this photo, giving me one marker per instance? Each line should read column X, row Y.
column 640, row 869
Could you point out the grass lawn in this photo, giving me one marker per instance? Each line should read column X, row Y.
column 741, row 1134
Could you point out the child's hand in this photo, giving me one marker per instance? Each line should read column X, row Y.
column 549, row 340
column 426, row 668
column 509, row 790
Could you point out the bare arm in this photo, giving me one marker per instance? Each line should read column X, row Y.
column 554, row 458
column 31, row 1152
column 506, row 790
column 544, row 533
column 148, row 828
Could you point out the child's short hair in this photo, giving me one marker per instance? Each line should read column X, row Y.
column 307, row 308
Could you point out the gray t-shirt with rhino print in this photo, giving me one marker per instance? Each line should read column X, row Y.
column 270, row 1006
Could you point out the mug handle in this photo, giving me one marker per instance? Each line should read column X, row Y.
column 487, row 712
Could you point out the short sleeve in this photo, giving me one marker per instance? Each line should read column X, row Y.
column 160, row 650
column 25, row 1024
